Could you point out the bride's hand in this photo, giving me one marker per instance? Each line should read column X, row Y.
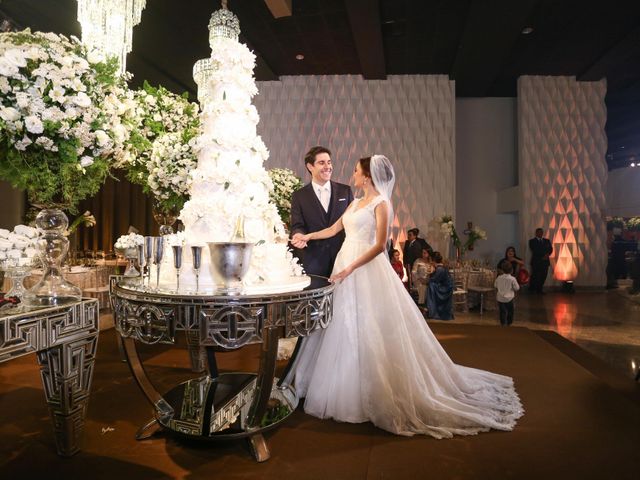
column 338, row 277
column 299, row 240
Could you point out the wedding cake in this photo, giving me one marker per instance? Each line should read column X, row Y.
column 229, row 191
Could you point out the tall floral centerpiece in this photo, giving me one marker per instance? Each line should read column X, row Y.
column 62, row 126
column 285, row 182
column 473, row 234
column 160, row 151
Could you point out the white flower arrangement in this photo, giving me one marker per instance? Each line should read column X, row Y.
column 131, row 240
column 448, row 228
column 165, row 127
column 169, row 167
column 285, row 183
column 62, row 117
column 19, row 248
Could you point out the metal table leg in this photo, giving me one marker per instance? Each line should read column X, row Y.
column 264, row 384
column 163, row 409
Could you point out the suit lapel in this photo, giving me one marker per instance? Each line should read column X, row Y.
column 332, row 201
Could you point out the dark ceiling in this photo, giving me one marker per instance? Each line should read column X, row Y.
column 479, row 43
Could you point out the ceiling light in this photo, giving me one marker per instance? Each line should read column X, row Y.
column 527, row 30
column 299, row 56
column 107, row 26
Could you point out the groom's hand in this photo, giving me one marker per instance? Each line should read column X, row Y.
column 299, row 240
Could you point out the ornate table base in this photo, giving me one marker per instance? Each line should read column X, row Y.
column 65, row 339
column 228, row 406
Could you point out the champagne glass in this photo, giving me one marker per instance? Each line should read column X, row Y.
column 158, row 252
column 148, row 255
column 141, row 263
column 177, row 263
column 196, row 254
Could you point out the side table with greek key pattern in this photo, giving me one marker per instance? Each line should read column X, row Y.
column 65, row 339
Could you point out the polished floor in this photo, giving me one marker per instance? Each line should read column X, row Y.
column 604, row 323
column 582, row 416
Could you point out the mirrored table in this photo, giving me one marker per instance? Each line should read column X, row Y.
column 65, row 339
column 219, row 406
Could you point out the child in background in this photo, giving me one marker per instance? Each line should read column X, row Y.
column 507, row 286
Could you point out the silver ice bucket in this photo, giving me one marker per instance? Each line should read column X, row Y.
column 229, row 263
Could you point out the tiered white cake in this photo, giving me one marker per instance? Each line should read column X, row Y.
column 230, row 186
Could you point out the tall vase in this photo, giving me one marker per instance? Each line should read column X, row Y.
column 165, row 217
column 52, row 289
column 458, row 255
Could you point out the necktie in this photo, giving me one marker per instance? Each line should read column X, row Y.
column 324, row 198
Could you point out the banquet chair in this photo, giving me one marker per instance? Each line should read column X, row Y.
column 100, row 288
column 459, row 289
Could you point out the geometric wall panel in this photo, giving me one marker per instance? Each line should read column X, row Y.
column 408, row 118
column 563, row 173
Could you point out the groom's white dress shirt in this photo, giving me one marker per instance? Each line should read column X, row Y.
column 323, row 192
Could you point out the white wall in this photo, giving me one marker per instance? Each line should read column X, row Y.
column 623, row 192
column 486, row 163
column 409, row 118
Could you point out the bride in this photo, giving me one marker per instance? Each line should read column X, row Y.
column 378, row 360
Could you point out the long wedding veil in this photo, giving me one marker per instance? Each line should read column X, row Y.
column 384, row 178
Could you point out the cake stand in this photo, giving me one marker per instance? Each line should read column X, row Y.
column 220, row 406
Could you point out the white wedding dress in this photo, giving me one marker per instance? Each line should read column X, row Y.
column 378, row 360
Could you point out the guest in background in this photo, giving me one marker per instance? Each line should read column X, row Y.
column 540, row 250
column 510, row 256
column 506, row 287
column 422, row 268
column 396, row 263
column 440, row 291
column 390, row 248
column 413, row 250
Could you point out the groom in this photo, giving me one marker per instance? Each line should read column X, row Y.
column 316, row 206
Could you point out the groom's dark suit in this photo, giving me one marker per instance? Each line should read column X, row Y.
column 307, row 215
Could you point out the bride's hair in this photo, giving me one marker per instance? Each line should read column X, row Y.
column 386, row 173
column 365, row 164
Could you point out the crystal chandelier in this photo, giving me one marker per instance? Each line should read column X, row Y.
column 223, row 24
column 107, row 25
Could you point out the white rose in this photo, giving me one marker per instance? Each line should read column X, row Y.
column 86, row 161
column 9, row 114
column 95, row 56
column 82, row 100
column 7, row 68
column 102, row 138
column 16, row 57
column 5, row 87
column 33, row 124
